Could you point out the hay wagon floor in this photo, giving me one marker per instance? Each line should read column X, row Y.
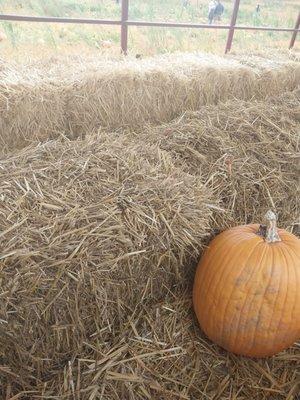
column 114, row 176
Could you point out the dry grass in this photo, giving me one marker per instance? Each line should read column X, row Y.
column 36, row 40
column 78, row 96
column 100, row 237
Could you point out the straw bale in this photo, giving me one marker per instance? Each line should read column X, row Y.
column 89, row 230
column 247, row 153
column 157, row 90
column 30, row 112
column 76, row 96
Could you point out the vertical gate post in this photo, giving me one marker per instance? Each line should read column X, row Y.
column 235, row 11
column 124, row 26
column 293, row 39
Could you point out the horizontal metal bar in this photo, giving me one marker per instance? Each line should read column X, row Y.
column 175, row 25
column 26, row 18
column 60, row 20
column 263, row 28
column 207, row 26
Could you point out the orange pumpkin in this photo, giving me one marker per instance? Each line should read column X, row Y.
column 247, row 289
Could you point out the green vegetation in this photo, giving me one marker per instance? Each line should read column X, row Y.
column 20, row 36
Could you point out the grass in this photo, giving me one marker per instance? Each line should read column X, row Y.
column 22, row 38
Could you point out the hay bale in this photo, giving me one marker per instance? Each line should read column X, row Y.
column 71, row 98
column 30, row 112
column 90, row 230
column 246, row 153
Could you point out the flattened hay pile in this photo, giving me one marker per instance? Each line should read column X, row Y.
column 75, row 96
column 100, row 234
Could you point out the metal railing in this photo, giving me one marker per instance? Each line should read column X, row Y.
column 124, row 22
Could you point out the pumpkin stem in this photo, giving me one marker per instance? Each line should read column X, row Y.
column 271, row 234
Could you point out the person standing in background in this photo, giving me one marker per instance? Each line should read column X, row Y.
column 256, row 16
column 215, row 11
column 211, row 11
column 219, row 10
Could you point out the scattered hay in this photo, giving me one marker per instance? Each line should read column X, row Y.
column 161, row 354
column 76, row 97
column 246, row 153
column 89, row 231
